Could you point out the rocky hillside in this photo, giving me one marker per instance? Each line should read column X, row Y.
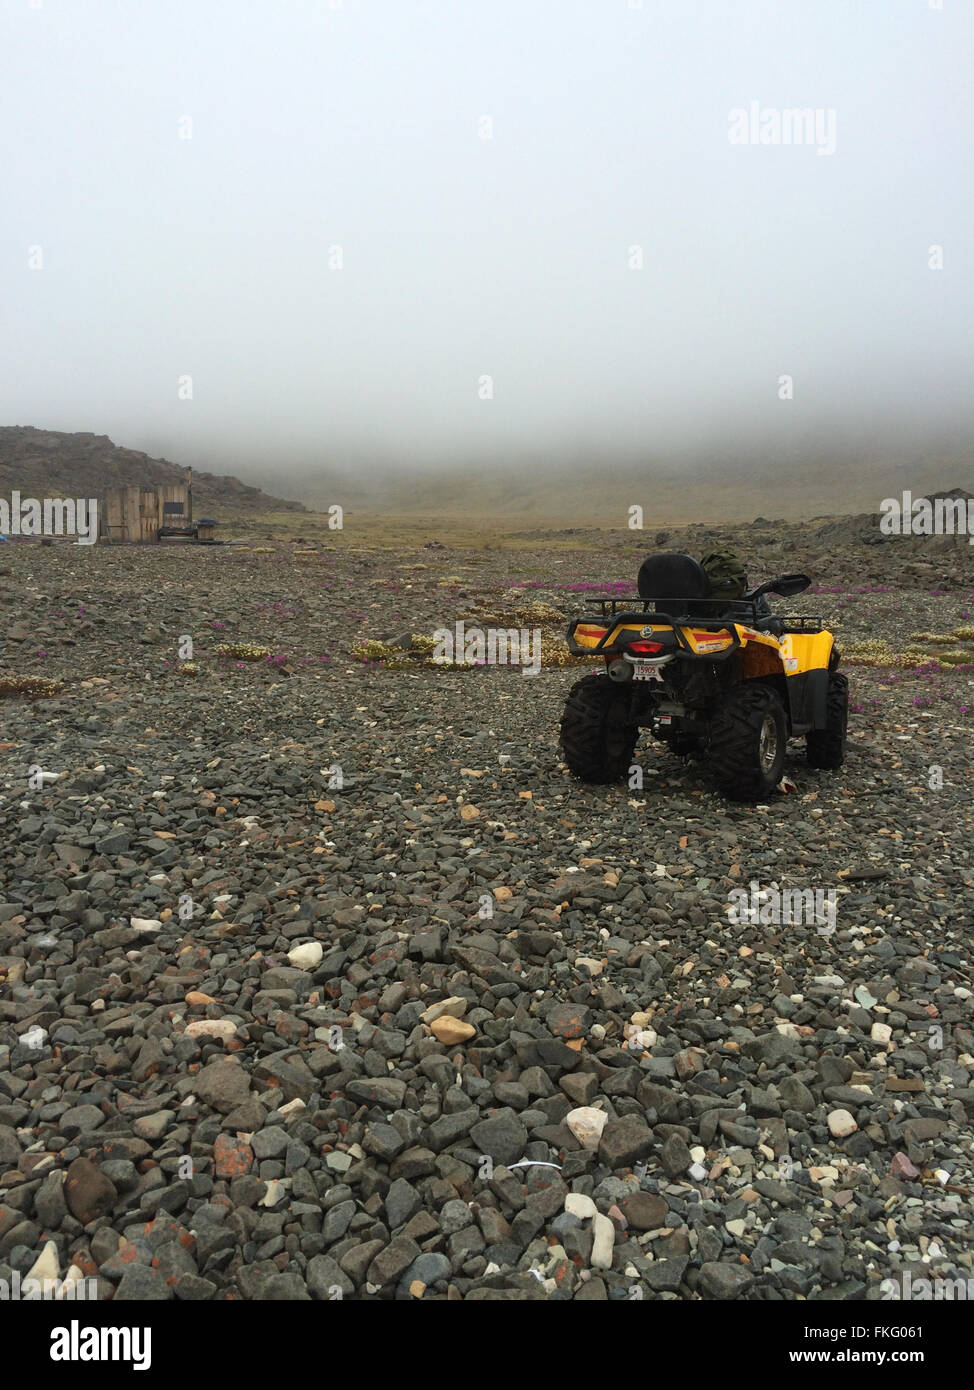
column 50, row 463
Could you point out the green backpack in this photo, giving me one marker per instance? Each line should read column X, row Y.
column 728, row 578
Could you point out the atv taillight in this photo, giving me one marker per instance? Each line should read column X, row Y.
column 646, row 648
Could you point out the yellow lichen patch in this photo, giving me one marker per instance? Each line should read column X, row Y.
column 31, row 687
column 941, row 638
column 541, row 613
column 876, row 652
column 244, row 651
column 188, row 668
column 554, row 652
column 965, row 634
column 392, row 657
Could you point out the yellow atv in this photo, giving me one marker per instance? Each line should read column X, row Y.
column 728, row 681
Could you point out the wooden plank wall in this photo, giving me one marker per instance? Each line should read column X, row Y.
column 136, row 513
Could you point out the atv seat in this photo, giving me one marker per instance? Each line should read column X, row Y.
column 675, row 584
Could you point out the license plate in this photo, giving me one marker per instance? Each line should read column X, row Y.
column 646, row 672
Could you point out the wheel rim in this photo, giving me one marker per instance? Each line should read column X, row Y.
column 768, row 744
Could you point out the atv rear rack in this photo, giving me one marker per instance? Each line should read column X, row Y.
column 738, row 611
column 804, row 622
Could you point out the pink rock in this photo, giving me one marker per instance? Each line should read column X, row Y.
column 901, row 1167
column 617, row 1218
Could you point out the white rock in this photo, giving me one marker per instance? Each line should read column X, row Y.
column 211, row 1028
column 603, row 1240
column 35, row 1037
column 593, row 966
column 697, row 1172
column 737, row 1227
column 145, row 924
column 698, row 1153
column 46, row 1265
column 881, row 1033
column 577, row 1204
column 841, row 1124
column 276, row 1188
column 587, row 1124
column 454, row 1007
column 306, row 957
column 72, row 1282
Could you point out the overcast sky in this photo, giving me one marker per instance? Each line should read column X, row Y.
column 487, row 174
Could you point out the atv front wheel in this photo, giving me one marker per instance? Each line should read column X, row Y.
column 747, row 742
column 596, row 739
column 826, row 747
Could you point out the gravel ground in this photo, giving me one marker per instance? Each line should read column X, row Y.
column 320, row 979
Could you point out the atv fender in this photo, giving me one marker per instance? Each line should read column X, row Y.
column 808, row 681
column 813, row 701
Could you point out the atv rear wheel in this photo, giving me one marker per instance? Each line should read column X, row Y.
column 747, row 742
column 826, row 747
column 596, row 739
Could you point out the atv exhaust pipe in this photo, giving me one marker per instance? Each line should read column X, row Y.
column 620, row 670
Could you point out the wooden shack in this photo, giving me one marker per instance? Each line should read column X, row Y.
column 142, row 514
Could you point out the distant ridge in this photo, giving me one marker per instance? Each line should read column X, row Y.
column 51, row 463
